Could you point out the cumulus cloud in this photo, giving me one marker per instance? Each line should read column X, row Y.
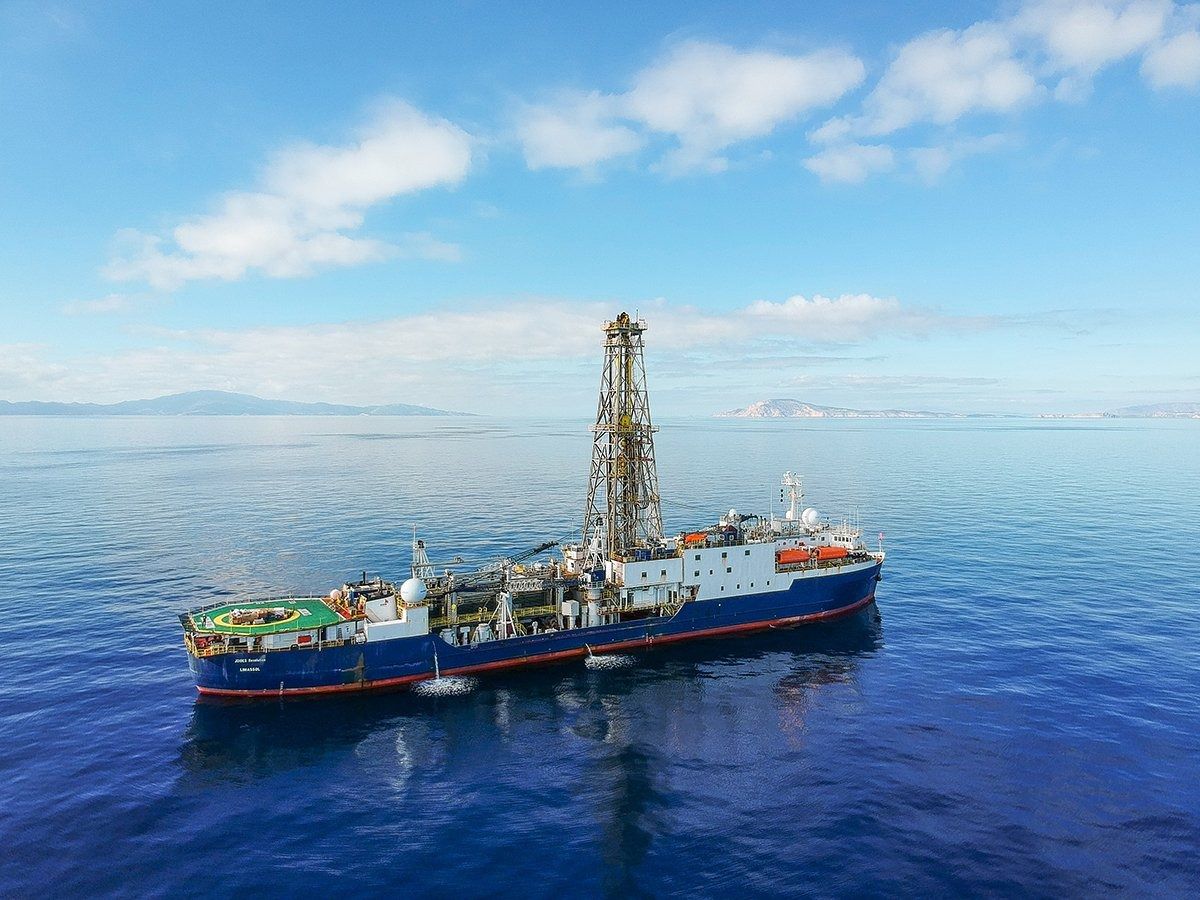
column 943, row 75
column 706, row 96
column 311, row 202
column 710, row 96
column 851, row 163
column 1174, row 62
column 576, row 131
column 1087, row 35
column 936, row 78
column 1046, row 48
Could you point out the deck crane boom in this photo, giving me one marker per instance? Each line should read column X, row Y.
column 500, row 567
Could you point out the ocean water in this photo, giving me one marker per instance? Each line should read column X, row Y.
column 1018, row 714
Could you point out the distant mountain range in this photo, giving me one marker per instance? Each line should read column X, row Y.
column 796, row 409
column 214, row 403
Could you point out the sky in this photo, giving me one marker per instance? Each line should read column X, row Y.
column 967, row 206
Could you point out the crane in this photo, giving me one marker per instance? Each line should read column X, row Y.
column 499, row 568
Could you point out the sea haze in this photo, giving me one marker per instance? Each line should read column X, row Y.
column 1018, row 714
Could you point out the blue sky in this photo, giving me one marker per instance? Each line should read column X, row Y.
column 967, row 206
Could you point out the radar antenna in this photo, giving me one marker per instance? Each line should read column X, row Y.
column 623, row 509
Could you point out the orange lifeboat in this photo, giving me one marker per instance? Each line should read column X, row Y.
column 832, row 552
column 792, row 555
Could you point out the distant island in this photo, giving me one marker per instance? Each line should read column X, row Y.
column 1148, row 411
column 797, row 409
column 214, row 403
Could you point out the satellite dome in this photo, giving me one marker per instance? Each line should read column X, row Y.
column 810, row 517
column 733, row 516
column 413, row 591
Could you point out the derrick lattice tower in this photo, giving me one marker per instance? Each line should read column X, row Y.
column 623, row 508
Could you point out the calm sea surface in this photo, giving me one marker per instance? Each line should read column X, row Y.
column 1019, row 714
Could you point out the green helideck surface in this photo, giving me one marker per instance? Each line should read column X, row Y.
column 308, row 612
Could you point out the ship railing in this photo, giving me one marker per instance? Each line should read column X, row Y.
column 217, row 646
column 486, row 615
column 460, row 619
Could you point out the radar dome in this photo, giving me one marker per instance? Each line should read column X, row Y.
column 733, row 516
column 413, row 591
column 810, row 516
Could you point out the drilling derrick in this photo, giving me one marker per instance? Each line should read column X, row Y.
column 623, row 509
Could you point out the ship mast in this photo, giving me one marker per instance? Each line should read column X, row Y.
column 623, row 508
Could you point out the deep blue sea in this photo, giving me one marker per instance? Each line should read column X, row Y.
column 1018, row 714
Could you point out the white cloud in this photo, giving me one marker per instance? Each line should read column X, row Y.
column 851, row 163
column 707, row 96
column 710, row 96
column 938, row 77
column 891, row 382
column 854, row 317
column 470, row 358
column 110, row 303
column 931, row 163
column 1086, row 35
column 943, row 75
column 1175, row 62
column 1000, row 66
column 576, row 131
column 832, row 131
column 27, row 373
column 312, row 200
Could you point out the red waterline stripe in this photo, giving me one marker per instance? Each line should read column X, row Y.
column 638, row 643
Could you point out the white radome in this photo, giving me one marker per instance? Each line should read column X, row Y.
column 810, row 516
column 413, row 591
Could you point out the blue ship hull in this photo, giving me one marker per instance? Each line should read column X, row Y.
column 393, row 663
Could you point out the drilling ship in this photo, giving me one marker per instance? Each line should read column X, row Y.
column 625, row 585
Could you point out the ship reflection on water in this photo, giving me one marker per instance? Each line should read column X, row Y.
column 668, row 698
